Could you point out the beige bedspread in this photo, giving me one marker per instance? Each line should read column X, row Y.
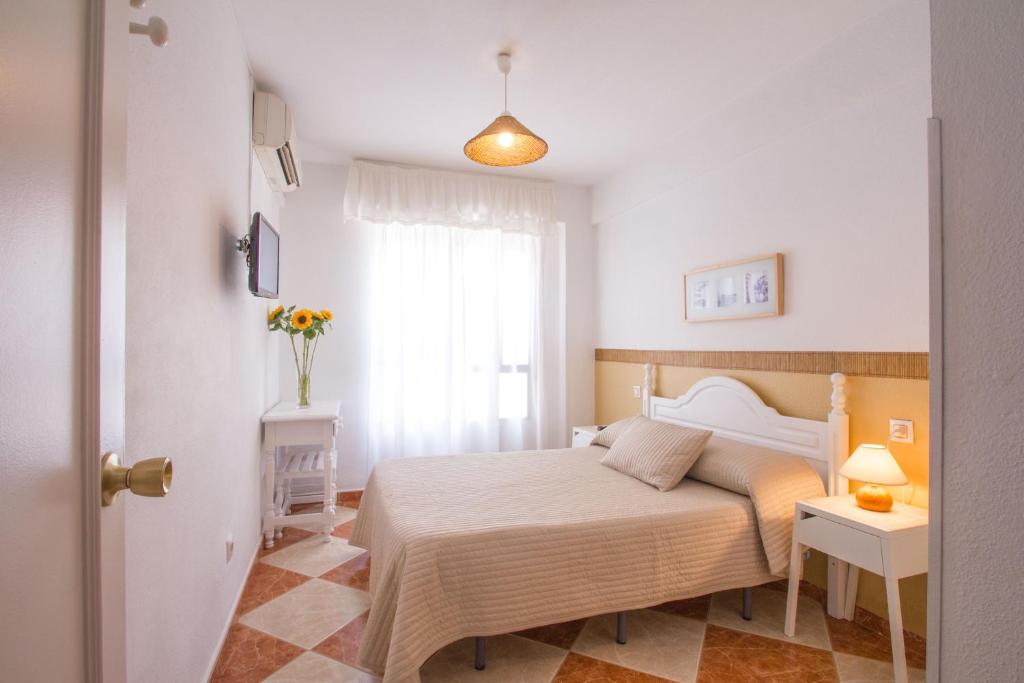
column 478, row 545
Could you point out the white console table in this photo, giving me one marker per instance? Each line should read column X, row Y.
column 288, row 425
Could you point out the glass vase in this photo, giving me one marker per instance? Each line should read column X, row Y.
column 303, row 390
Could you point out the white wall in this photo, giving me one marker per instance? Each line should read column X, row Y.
column 325, row 264
column 197, row 341
column 270, row 204
column 825, row 162
column 978, row 90
column 42, row 52
column 580, row 303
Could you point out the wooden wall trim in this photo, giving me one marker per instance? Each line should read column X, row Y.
column 892, row 364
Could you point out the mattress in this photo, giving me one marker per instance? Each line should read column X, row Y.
column 478, row 545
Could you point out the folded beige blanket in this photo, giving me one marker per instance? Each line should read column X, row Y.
column 478, row 545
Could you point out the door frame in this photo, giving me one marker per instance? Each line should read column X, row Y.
column 935, row 394
column 101, row 308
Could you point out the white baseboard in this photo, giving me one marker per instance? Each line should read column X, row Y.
column 231, row 613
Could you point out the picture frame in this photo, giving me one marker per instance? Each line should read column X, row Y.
column 735, row 290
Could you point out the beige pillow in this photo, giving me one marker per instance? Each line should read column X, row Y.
column 656, row 453
column 607, row 436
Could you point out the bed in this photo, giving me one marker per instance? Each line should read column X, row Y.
column 479, row 545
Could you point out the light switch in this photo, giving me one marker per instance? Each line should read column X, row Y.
column 636, row 391
column 901, row 431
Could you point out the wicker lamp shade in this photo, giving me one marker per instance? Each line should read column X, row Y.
column 505, row 142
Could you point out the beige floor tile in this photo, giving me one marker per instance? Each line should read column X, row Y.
column 770, row 615
column 661, row 644
column 853, row 669
column 343, row 514
column 510, row 659
column 314, row 556
column 314, row 668
column 306, row 615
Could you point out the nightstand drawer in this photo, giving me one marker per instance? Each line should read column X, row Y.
column 842, row 542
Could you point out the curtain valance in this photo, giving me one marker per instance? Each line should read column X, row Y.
column 382, row 193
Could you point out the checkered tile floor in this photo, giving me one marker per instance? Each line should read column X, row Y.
column 302, row 613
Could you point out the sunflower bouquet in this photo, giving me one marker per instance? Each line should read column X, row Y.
column 310, row 325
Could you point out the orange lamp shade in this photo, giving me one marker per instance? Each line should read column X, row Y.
column 505, row 142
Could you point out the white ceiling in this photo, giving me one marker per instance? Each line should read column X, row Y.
column 605, row 82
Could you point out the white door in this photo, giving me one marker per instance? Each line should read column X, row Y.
column 62, row 279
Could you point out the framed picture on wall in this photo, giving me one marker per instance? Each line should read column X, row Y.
column 750, row 288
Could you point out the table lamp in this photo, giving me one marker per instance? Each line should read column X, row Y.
column 873, row 464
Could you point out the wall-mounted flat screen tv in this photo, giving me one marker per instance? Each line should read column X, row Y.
column 264, row 258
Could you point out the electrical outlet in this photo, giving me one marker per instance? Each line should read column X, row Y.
column 229, row 549
column 901, row 431
column 636, row 391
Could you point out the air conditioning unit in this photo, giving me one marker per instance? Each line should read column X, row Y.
column 273, row 136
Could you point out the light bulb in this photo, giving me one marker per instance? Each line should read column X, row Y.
column 505, row 139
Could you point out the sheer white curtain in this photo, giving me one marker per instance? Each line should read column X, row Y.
column 462, row 291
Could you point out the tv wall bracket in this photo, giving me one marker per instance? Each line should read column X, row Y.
column 243, row 245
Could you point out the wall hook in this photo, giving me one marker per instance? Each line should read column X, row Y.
column 156, row 29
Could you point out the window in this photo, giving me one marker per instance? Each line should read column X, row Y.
column 518, row 311
column 454, row 342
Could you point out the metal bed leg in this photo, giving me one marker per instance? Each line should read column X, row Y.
column 481, row 656
column 620, row 628
column 748, row 603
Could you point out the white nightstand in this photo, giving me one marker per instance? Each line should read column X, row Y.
column 892, row 544
column 582, row 436
column 288, row 425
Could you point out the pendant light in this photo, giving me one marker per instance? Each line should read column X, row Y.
column 505, row 142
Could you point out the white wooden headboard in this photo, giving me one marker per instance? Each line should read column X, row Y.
column 733, row 410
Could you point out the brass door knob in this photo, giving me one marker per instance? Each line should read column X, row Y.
column 150, row 477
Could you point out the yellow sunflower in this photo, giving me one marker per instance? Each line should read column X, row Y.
column 317, row 316
column 274, row 313
column 327, row 315
column 302, row 319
